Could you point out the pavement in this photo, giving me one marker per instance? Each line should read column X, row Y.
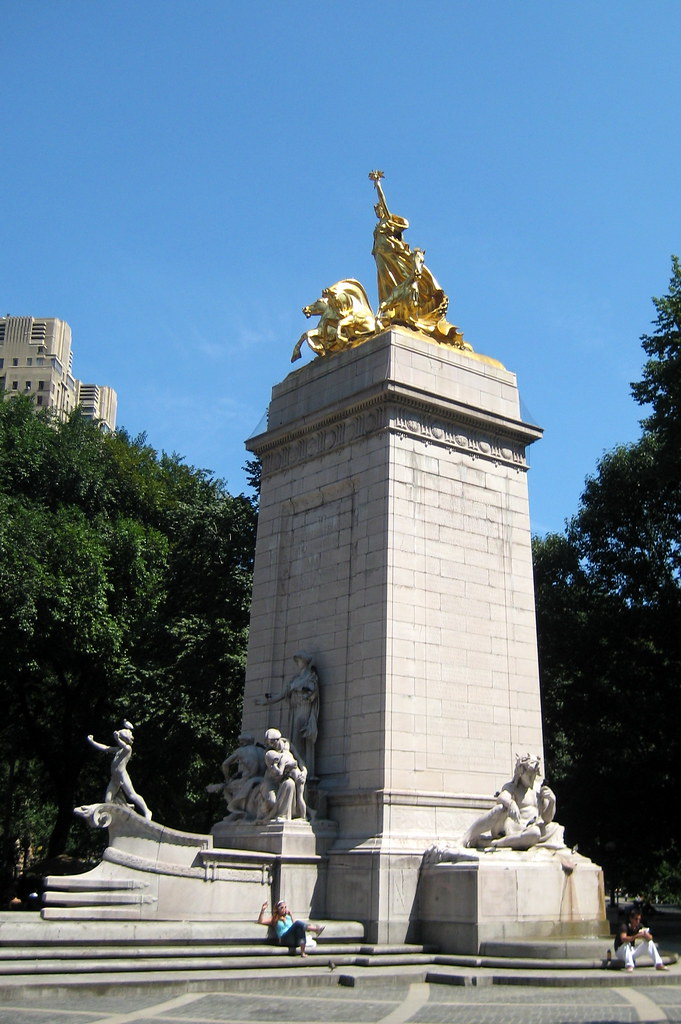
column 353, row 999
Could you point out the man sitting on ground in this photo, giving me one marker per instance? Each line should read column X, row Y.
column 626, row 949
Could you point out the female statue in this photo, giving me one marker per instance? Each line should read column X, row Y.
column 302, row 695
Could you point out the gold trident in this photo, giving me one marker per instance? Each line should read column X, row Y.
column 376, row 175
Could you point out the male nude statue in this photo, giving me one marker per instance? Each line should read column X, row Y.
column 120, row 789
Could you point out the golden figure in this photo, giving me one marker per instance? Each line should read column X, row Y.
column 346, row 319
column 407, row 291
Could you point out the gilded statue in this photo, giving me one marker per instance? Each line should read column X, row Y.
column 407, row 291
column 346, row 319
column 408, row 295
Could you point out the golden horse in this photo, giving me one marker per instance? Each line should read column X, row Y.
column 346, row 319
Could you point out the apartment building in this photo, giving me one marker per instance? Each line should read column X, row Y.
column 36, row 360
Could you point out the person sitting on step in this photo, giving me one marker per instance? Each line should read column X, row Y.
column 287, row 931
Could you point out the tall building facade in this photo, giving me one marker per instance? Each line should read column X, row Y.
column 36, row 360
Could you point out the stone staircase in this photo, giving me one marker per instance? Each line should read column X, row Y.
column 35, row 951
column 46, row 955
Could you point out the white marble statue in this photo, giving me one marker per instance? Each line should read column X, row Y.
column 243, row 771
column 120, row 789
column 277, row 791
column 283, row 768
column 302, row 696
column 522, row 815
column 268, row 784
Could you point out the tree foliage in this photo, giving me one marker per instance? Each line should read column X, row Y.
column 609, row 616
column 660, row 386
column 125, row 581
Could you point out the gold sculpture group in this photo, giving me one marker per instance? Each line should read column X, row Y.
column 408, row 295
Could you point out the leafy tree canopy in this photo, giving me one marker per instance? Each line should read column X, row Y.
column 125, row 582
column 608, row 613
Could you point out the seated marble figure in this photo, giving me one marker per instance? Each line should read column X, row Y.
column 262, row 783
column 522, row 815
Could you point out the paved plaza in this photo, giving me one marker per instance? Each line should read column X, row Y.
column 416, row 1003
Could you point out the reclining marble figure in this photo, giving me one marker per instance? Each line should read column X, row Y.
column 523, row 813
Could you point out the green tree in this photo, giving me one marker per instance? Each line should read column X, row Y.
column 124, row 589
column 660, row 385
column 608, row 614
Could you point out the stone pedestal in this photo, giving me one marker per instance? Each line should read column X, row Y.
column 394, row 546
column 299, row 857
column 153, row 873
column 507, row 897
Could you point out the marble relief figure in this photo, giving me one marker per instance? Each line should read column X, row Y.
column 301, row 694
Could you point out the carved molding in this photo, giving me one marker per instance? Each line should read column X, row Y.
column 462, row 434
column 154, row 867
column 406, row 798
column 459, row 437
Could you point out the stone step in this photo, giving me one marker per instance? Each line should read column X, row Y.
column 264, row 960
column 167, row 952
column 550, row 949
column 537, row 963
column 112, row 953
column 549, row 977
column 130, row 959
column 27, row 929
column 131, row 965
column 311, row 973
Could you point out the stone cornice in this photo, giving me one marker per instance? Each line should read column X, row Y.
column 406, row 798
column 404, row 411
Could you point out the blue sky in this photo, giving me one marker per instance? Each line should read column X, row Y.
column 179, row 177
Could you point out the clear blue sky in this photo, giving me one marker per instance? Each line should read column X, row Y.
column 179, row 177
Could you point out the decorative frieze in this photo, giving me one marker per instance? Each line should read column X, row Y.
column 459, row 437
column 287, row 452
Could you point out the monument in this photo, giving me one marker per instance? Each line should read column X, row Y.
column 393, row 567
column 394, row 545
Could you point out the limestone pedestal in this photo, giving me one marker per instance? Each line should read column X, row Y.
column 509, row 896
column 394, row 546
column 298, row 852
column 153, row 873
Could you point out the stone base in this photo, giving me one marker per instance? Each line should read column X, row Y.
column 379, row 885
column 297, row 849
column 480, row 897
column 153, row 873
column 297, row 838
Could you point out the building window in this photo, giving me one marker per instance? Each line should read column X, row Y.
column 41, row 385
column 29, row 361
column 15, row 385
column 15, row 362
column 2, row 363
column 28, row 385
column 40, row 349
column 40, row 400
column 39, row 362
